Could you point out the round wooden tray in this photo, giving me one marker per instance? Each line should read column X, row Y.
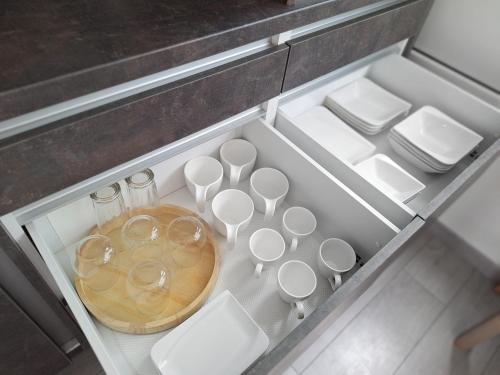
column 190, row 287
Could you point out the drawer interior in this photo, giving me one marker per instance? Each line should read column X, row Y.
column 340, row 213
column 415, row 85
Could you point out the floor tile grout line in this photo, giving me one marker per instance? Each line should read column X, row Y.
column 445, row 306
column 431, row 292
column 403, row 268
column 490, row 360
column 350, row 321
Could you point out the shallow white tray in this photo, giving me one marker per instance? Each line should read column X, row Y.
column 334, row 135
column 368, row 102
column 438, row 135
column 221, row 338
column 389, row 177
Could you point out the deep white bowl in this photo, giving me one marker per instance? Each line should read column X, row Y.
column 438, row 135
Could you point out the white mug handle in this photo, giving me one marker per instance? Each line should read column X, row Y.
column 234, row 175
column 299, row 306
column 231, row 234
column 201, row 194
column 335, row 281
column 258, row 270
column 270, row 208
column 293, row 244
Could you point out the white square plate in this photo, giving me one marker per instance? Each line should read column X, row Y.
column 438, row 135
column 369, row 102
column 334, row 135
column 389, row 177
column 220, row 339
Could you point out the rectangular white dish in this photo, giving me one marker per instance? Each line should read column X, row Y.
column 334, row 135
column 371, row 104
column 389, row 177
column 438, row 135
column 220, row 339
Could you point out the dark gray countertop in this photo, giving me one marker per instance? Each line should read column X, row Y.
column 57, row 50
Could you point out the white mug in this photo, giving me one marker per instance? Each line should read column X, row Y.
column 238, row 159
column 298, row 222
column 335, row 256
column 296, row 281
column 266, row 247
column 203, row 177
column 268, row 188
column 233, row 210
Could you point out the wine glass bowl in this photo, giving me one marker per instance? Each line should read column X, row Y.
column 187, row 237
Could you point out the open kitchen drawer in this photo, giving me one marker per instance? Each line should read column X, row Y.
column 414, row 84
column 345, row 204
column 339, row 211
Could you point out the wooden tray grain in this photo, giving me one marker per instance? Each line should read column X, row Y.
column 190, row 287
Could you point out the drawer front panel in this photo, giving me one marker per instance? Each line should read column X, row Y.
column 50, row 159
column 315, row 55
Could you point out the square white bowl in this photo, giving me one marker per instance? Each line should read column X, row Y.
column 418, row 153
column 438, row 135
column 220, row 339
column 334, row 135
column 368, row 102
column 389, row 177
column 413, row 158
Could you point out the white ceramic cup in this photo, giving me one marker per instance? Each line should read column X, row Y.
column 203, row 177
column 335, row 256
column 268, row 188
column 297, row 223
column 238, row 159
column 233, row 210
column 296, row 281
column 266, row 247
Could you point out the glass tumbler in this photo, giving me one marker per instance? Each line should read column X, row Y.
column 148, row 286
column 108, row 204
column 142, row 189
column 94, row 262
column 186, row 236
column 142, row 235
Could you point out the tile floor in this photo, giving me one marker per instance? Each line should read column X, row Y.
column 408, row 326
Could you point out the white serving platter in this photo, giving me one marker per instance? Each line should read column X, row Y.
column 334, row 135
column 389, row 177
column 221, row 338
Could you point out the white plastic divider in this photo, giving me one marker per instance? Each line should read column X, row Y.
column 397, row 212
column 340, row 212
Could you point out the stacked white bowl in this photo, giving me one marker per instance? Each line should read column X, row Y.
column 432, row 141
column 366, row 106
